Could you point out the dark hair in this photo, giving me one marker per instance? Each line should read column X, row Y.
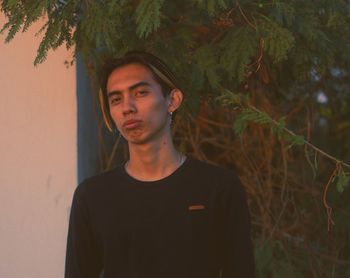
column 160, row 71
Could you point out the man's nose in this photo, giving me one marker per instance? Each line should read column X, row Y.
column 128, row 105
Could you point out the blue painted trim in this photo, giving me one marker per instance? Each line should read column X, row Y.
column 88, row 152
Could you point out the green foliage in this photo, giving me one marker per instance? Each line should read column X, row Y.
column 273, row 260
column 232, row 100
column 279, row 127
column 222, row 39
column 207, row 63
column 278, row 40
column 211, row 6
column 342, row 180
column 292, row 140
column 283, row 13
column 148, row 16
column 240, row 40
column 59, row 25
column 15, row 20
column 247, row 115
column 97, row 31
column 263, row 257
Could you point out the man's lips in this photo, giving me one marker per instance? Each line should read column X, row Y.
column 129, row 124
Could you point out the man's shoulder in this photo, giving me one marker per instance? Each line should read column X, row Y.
column 99, row 182
column 104, row 176
column 213, row 175
column 224, row 180
column 207, row 168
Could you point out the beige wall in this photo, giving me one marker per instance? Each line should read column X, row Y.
column 38, row 157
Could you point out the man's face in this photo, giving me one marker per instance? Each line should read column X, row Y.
column 137, row 105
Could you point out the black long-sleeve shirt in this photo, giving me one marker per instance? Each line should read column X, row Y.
column 191, row 224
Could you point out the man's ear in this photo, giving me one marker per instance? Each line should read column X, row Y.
column 175, row 100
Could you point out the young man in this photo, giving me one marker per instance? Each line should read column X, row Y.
column 161, row 214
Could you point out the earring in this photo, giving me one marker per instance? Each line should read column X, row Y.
column 171, row 116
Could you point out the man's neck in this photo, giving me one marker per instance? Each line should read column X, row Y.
column 154, row 160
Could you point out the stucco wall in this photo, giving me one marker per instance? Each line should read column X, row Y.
column 38, row 170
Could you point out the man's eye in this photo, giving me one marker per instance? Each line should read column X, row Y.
column 141, row 93
column 115, row 100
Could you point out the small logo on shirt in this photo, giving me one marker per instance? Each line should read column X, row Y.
column 196, row 207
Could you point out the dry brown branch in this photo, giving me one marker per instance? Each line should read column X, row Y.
column 334, row 159
column 245, row 17
column 325, row 202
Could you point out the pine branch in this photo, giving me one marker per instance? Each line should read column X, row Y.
column 334, row 159
column 278, row 40
column 208, row 64
column 238, row 49
column 148, row 17
column 213, row 7
column 250, row 113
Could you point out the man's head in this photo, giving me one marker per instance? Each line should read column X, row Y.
column 138, row 96
column 158, row 69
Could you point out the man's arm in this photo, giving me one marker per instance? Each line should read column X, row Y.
column 239, row 256
column 82, row 259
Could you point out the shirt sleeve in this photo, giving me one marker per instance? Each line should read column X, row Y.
column 239, row 257
column 82, row 259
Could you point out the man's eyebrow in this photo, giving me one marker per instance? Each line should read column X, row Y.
column 139, row 84
column 132, row 87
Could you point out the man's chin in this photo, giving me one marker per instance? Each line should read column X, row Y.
column 136, row 139
column 141, row 140
column 137, row 142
